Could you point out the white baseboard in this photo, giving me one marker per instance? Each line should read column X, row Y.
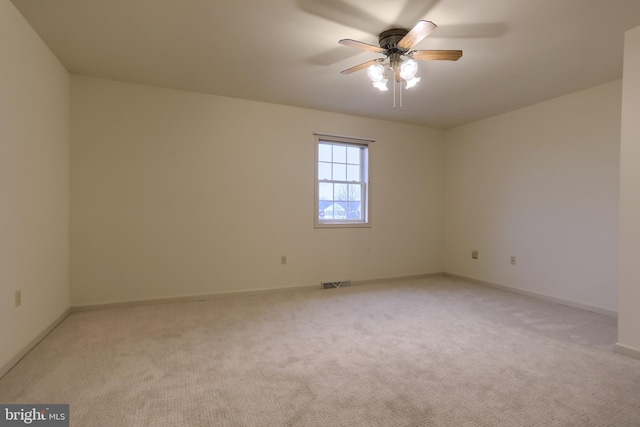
column 188, row 298
column 6, row 367
column 396, row 279
column 205, row 297
column 544, row 297
column 627, row 351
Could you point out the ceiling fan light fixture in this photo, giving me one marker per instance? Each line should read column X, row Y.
column 408, row 69
column 381, row 85
column 375, row 72
column 412, row 82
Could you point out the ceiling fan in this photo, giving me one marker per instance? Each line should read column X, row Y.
column 399, row 60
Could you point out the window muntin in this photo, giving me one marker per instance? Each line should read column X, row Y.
column 342, row 182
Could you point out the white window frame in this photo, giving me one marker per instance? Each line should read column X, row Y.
column 365, row 161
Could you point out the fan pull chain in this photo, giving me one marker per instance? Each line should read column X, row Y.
column 394, row 94
column 399, row 96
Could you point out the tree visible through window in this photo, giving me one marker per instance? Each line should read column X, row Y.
column 342, row 181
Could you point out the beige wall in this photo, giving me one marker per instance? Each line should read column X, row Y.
column 629, row 286
column 541, row 184
column 176, row 193
column 34, row 184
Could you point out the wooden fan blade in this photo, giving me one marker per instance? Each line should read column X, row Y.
column 361, row 45
column 361, row 66
column 436, row 55
column 421, row 30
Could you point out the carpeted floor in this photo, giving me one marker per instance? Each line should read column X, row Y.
column 431, row 352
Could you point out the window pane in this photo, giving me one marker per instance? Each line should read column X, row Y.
column 340, row 192
column 353, row 173
column 324, row 152
column 324, row 170
column 354, row 211
column 339, row 172
column 355, row 192
column 353, row 155
column 325, row 191
column 339, row 154
column 325, row 214
column 339, row 211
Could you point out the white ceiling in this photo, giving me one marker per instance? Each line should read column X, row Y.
column 516, row 52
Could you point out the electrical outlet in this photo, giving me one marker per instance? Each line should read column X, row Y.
column 513, row 260
column 283, row 259
column 18, row 298
column 474, row 254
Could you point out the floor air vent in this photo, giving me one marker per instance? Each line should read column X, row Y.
column 334, row 285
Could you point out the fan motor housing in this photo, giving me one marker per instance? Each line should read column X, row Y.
column 390, row 38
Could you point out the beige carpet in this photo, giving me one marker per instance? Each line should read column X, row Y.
column 428, row 352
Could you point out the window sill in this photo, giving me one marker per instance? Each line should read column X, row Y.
column 343, row 225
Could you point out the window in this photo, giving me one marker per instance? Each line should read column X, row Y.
column 342, row 182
